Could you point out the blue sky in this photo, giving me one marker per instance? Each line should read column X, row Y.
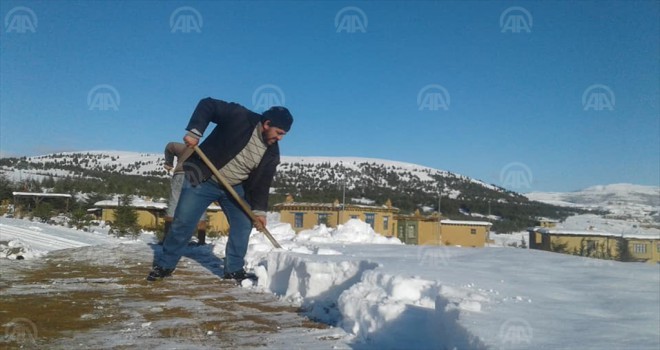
column 531, row 96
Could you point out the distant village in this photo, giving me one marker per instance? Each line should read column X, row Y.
column 385, row 219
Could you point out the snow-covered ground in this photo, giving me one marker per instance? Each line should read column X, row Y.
column 34, row 239
column 379, row 293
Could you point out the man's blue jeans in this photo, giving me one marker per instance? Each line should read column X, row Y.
column 192, row 204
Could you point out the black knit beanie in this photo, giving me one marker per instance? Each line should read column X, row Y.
column 279, row 117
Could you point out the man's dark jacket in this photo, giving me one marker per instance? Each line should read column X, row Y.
column 235, row 125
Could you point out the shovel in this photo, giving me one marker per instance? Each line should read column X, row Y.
column 241, row 202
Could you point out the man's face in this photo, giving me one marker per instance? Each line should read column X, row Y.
column 272, row 134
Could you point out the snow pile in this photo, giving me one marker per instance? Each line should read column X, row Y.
column 354, row 231
column 380, row 299
column 357, row 294
column 514, row 239
column 18, row 249
column 315, row 285
column 312, row 271
column 307, row 242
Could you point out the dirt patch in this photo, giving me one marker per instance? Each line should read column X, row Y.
column 63, row 302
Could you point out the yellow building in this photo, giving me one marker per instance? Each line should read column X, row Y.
column 545, row 222
column 304, row 216
column 601, row 245
column 464, row 233
column 428, row 230
column 644, row 248
column 418, row 229
column 151, row 214
column 217, row 221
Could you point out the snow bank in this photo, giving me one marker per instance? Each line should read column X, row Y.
column 393, row 309
column 355, row 293
column 18, row 249
column 376, row 307
column 314, row 285
column 354, row 231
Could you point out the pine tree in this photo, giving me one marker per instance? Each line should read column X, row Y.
column 126, row 219
column 43, row 211
column 624, row 250
column 6, row 188
column 79, row 218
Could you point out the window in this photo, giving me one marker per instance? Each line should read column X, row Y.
column 658, row 247
column 370, row 218
column 473, row 231
column 639, row 248
column 411, row 231
column 354, row 217
column 386, row 222
column 322, row 219
column 298, row 222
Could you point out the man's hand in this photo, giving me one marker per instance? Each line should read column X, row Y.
column 190, row 141
column 168, row 167
column 260, row 224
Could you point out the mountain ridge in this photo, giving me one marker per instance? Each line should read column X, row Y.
column 621, row 200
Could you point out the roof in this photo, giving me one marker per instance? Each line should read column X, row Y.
column 468, row 223
column 333, row 206
column 134, row 204
column 137, row 203
column 547, row 220
column 444, row 221
column 39, row 194
column 634, row 235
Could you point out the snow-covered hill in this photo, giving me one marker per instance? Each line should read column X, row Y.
column 71, row 164
column 354, row 171
column 406, row 171
column 623, row 201
column 133, row 163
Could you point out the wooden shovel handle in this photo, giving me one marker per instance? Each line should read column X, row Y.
column 241, row 202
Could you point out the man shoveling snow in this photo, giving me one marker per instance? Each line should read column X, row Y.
column 244, row 147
